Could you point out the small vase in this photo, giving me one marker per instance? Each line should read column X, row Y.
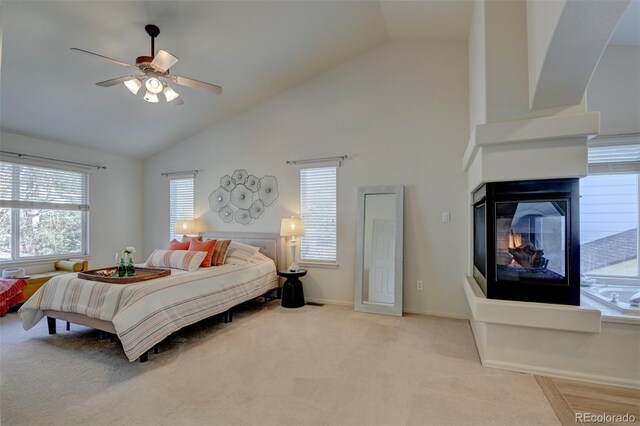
column 122, row 269
column 131, row 269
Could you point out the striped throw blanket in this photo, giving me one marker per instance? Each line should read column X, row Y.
column 143, row 314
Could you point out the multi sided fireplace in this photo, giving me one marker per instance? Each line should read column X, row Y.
column 526, row 240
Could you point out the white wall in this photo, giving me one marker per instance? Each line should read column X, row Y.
column 542, row 21
column 614, row 90
column 115, row 217
column 477, row 66
column 401, row 111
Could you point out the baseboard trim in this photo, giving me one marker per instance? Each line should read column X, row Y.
column 328, row 301
column 435, row 314
column 407, row 311
column 563, row 374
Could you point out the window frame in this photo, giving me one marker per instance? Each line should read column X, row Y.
column 16, row 259
column 319, row 263
column 599, row 168
column 172, row 223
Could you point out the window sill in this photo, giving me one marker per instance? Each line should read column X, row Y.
column 41, row 261
column 614, row 281
column 325, row 265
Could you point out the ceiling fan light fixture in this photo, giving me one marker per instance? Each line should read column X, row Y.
column 133, row 85
column 153, row 85
column 170, row 94
column 151, row 97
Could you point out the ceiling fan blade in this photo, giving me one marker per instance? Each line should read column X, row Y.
column 124, row 64
column 196, row 84
column 114, row 81
column 164, row 60
column 177, row 101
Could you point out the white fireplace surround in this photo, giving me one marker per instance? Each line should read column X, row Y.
column 555, row 340
column 534, row 148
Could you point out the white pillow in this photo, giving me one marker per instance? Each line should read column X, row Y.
column 176, row 259
column 238, row 254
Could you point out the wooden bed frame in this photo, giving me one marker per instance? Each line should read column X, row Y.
column 270, row 244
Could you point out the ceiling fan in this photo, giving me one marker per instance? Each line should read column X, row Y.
column 155, row 74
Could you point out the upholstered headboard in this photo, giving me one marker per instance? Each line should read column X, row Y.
column 269, row 243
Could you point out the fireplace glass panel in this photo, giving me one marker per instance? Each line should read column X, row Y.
column 531, row 241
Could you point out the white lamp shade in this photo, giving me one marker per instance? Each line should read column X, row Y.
column 185, row 227
column 151, row 97
column 170, row 94
column 133, row 85
column 291, row 227
column 153, row 85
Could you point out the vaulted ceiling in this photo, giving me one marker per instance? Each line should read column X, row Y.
column 253, row 49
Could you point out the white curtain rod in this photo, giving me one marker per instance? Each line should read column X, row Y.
column 318, row 160
column 55, row 160
column 186, row 172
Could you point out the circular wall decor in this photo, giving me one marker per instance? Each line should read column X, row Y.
column 218, row 199
column 243, row 196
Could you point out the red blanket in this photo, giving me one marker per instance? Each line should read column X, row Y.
column 10, row 293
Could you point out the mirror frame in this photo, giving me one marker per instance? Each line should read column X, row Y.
column 359, row 305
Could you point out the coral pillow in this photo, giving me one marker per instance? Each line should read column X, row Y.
column 208, row 246
column 177, row 245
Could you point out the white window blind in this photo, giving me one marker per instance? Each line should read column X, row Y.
column 614, row 159
column 318, row 189
column 25, row 186
column 43, row 212
column 181, row 201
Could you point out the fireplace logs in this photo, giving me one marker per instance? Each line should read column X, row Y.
column 526, row 254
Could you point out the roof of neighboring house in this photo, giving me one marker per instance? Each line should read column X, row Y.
column 610, row 250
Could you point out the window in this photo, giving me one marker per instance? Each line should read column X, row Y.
column 318, row 210
column 609, row 214
column 43, row 212
column 181, row 201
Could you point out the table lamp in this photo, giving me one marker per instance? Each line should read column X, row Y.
column 186, row 227
column 293, row 228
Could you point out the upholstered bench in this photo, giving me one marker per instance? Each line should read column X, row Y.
column 62, row 267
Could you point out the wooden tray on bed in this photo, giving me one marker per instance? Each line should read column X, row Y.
column 142, row 274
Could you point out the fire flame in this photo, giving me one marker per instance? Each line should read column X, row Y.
column 515, row 240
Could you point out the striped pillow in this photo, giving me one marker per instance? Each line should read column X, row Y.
column 220, row 252
column 238, row 254
column 176, row 259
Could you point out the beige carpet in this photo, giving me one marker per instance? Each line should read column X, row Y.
column 313, row 365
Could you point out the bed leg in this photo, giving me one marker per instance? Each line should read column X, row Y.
column 51, row 323
column 156, row 349
column 230, row 315
column 225, row 317
column 144, row 357
column 68, row 326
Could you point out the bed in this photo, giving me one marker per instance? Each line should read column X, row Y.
column 142, row 314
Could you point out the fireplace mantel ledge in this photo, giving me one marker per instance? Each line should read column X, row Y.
column 558, row 127
column 526, row 314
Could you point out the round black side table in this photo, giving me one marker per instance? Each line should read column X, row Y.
column 292, row 292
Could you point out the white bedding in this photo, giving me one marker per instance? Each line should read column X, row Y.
column 143, row 314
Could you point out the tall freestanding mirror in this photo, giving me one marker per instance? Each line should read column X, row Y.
column 379, row 250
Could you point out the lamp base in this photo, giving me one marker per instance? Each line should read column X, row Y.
column 294, row 267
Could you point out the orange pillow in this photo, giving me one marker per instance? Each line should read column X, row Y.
column 177, row 245
column 208, row 246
